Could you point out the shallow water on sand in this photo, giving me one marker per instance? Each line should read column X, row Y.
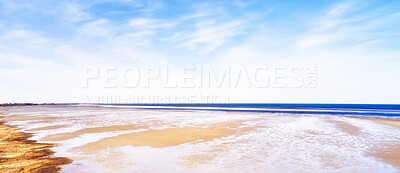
column 137, row 140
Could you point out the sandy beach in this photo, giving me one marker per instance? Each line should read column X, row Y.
column 18, row 154
column 183, row 141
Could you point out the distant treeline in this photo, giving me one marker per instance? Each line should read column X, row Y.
column 23, row 104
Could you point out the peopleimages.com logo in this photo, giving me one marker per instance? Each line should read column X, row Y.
column 151, row 98
column 200, row 77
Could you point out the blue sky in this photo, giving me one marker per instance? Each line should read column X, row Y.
column 355, row 44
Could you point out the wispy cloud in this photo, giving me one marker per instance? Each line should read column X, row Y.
column 74, row 12
column 208, row 36
column 343, row 23
column 146, row 23
column 92, row 29
column 198, row 14
column 44, row 37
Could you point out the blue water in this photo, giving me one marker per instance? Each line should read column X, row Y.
column 389, row 110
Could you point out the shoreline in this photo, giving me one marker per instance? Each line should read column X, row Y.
column 19, row 154
column 389, row 153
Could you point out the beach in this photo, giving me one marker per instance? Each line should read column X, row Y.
column 110, row 139
column 18, row 154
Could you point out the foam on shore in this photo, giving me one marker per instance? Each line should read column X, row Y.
column 207, row 141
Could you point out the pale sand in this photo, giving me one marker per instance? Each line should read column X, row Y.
column 208, row 156
column 389, row 122
column 177, row 136
column 48, row 127
column 65, row 136
column 391, row 153
column 26, row 118
column 345, row 127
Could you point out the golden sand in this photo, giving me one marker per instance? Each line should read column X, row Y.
column 160, row 138
column 18, row 154
column 171, row 136
column 345, row 127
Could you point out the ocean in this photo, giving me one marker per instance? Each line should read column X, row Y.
column 387, row 110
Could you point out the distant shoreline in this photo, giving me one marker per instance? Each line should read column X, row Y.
column 17, row 104
column 363, row 110
column 24, row 104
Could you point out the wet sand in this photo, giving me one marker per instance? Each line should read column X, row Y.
column 159, row 138
column 48, row 128
column 151, row 136
column 389, row 122
column 66, row 136
column 178, row 136
column 391, row 151
column 26, row 118
column 18, row 154
column 390, row 154
column 346, row 127
column 167, row 137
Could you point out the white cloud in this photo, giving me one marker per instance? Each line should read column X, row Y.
column 209, row 37
column 241, row 3
column 199, row 14
column 336, row 25
column 339, row 9
column 345, row 70
column 74, row 12
column 23, row 39
column 97, row 28
column 339, row 14
column 151, row 6
column 319, row 40
column 145, row 23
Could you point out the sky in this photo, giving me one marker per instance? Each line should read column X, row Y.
column 134, row 51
